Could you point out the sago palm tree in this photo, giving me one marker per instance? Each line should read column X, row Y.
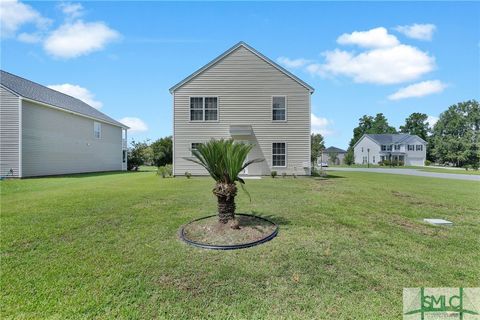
column 224, row 160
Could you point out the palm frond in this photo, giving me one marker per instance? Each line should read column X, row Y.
column 223, row 159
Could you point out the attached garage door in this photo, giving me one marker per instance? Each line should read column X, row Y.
column 415, row 162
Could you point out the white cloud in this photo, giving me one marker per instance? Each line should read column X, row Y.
column 135, row 124
column 78, row 92
column 392, row 65
column 71, row 10
column 14, row 14
column 417, row 90
column 432, row 120
column 321, row 125
column 30, row 37
column 418, row 31
column 374, row 38
column 292, row 63
column 72, row 40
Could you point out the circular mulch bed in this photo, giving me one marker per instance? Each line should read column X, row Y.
column 208, row 233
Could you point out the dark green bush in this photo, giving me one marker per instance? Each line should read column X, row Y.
column 273, row 173
column 188, row 174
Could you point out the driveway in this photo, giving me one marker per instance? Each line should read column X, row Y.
column 412, row 172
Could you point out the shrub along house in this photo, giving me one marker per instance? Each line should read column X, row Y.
column 404, row 149
column 45, row 132
column 245, row 96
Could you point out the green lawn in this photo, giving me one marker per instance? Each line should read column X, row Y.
column 427, row 169
column 443, row 170
column 105, row 246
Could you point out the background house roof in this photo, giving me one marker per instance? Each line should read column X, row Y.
column 255, row 52
column 393, row 138
column 334, row 150
column 34, row 91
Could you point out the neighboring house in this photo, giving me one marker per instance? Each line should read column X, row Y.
column 328, row 155
column 406, row 148
column 45, row 132
column 245, row 96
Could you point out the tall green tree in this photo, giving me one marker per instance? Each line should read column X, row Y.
column 139, row 153
column 456, row 135
column 162, row 151
column 317, row 145
column 417, row 124
column 368, row 124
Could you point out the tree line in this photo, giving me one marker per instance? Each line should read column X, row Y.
column 454, row 139
column 158, row 153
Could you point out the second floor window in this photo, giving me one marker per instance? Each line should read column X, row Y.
column 279, row 109
column 386, row 147
column 397, row 147
column 97, row 130
column 203, row 109
column 419, row 147
column 411, row 147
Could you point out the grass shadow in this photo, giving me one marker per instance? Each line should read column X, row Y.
column 79, row 175
column 279, row 220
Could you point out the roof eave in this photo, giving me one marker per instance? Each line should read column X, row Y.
column 257, row 53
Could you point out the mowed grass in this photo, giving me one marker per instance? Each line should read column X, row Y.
column 105, row 246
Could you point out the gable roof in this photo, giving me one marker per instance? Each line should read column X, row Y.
column 389, row 138
column 252, row 50
column 334, row 150
column 36, row 92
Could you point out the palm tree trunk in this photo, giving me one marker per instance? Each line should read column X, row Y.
column 225, row 193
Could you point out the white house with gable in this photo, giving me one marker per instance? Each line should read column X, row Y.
column 408, row 149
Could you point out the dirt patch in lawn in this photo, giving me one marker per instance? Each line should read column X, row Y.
column 211, row 232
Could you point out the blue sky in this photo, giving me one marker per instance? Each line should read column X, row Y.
column 362, row 58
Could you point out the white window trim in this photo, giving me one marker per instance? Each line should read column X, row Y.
column 190, row 146
column 203, row 109
column 100, row 131
column 286, row 154
column 286, row 108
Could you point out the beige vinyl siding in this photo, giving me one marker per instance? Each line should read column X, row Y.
column 9, row 133
column 244, row 85
column 58, row 142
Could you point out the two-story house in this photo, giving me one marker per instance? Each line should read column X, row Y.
column 45, row 132
column 408, row 149
column 245, row 96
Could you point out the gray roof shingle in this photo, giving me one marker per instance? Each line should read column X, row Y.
column 334, row 149
column 34, row 91
column 392, row 138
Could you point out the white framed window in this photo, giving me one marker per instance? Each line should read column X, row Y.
column 397, row 147
column 411, row 147
column 419, row 147
column 203, row 108
column 194, row 146
column 362, row 149
column 279, row 108
column 279, row 154
column 373, row 159
column 97, row 130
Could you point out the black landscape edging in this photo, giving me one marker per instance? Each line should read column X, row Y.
column 229, row 247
